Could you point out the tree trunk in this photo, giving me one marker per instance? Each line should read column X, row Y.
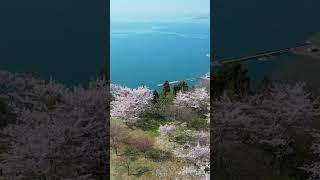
column 128, row 168
column 116, row 150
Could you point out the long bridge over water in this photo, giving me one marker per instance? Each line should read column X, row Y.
column 306, row 48
column 263, row 56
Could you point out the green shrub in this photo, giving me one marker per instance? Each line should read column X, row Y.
column 147, row 124
column 159, row 155
column 169, row 97
column 153, row 132
column 182, row 138
column 7, row 115
column 198, row 124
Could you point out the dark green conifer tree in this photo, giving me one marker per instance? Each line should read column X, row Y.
column 180, row 86
column 233, row 79
column 165, row 88
column 155, row 96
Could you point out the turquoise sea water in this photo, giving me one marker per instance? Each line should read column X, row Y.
column 150, row 53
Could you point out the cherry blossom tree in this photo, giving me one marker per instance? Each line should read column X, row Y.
column 195, row 173
column 129, row 103
column 199, row 158
column 167, row 129
column 60, row 133
column 314, row 169
column 197, row 98
column 195, row 155
column 266, row 115
column 261, row 119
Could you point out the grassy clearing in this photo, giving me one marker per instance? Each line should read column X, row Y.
column 153, row 170
column 147, row 168
column 152, row 133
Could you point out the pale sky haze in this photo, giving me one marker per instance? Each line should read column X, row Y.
column 158, row 10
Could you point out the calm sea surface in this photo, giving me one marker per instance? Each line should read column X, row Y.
column 62, row 38
column 246, row 27
column 150, row 53
column 68, row 47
